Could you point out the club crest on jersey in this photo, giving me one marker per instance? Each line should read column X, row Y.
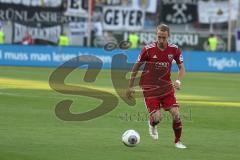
column 170, row 57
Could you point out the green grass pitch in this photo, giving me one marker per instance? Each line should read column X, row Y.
column 30, row 130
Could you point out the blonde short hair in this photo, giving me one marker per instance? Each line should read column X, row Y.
column 164, row 28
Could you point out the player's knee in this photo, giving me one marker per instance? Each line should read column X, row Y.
column 157, row 117
column 176, row 117
column 175, row 114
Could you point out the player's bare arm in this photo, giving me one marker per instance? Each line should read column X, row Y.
column 181, row 72
column 130, row 90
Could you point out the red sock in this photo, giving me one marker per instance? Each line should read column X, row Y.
column 177, row 128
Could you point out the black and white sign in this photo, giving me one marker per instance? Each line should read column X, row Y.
column 21, row 13
column 45, row 3
column 217, row 12
column 78, row 29
column 179, row 11
column 81, row 28
column 75, row 8
column 122, row 18
column 50, row 34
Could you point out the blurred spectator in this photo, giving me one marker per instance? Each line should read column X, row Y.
column 212, row 42
column 2, row 36
column 63, row 40
column 108, row 37
column 133, row 39
column 126, row 3
column 101, row 41
column 27, row 39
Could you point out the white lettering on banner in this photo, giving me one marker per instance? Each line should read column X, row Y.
column 147, row 37
column 222, row 63
column 185, row 39
column 16, row 56
column 47, row 57
column 24, row 15
column 116, row 18
column 21, row 56
column 67, row 56
column 176, row 38
column 62, row 57
column 40, row 57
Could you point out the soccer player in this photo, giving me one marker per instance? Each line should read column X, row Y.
column 156, row 84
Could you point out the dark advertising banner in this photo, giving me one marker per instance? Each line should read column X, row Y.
column 179, row 11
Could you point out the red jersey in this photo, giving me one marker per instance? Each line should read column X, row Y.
column 155, row 78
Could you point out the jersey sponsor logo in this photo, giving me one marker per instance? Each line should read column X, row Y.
column 159, row 65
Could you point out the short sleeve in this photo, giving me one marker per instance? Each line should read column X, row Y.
column 178, row 57
column 143, row 56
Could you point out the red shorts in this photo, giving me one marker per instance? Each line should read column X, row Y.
column 165, row 102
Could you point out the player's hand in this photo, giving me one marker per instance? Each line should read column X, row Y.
column 130, row 92
column 177, row 85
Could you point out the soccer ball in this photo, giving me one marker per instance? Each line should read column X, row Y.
column 130, row 138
